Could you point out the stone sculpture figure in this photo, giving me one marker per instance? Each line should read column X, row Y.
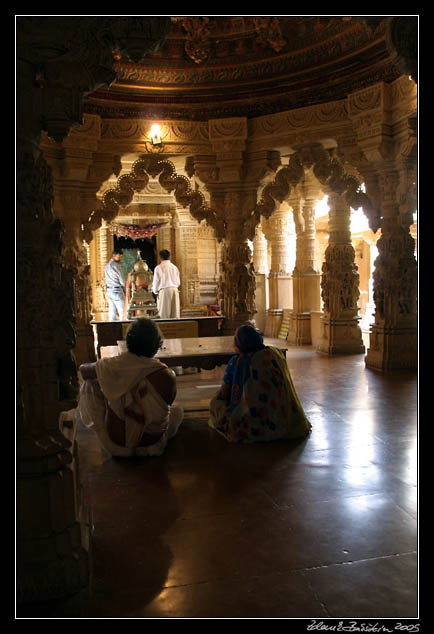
column 142, row 303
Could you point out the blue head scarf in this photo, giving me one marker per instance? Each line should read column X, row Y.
column 247, row 341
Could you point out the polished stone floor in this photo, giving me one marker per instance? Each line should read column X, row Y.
column 323, row 528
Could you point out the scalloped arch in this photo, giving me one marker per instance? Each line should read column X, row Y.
column 328, row 170
column 137, row 179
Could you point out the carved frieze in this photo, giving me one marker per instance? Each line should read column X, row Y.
column 185, row 132
column 226, row 129
column 284, row 123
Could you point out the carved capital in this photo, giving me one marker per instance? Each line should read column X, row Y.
column 202, row 167
column 380, row 115
column 228, row 140
column 261, row 165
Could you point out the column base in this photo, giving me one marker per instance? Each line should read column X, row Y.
column 53, row 519
column 340, row 336
column 392, row 349
column 300, row 330
column 229, row 326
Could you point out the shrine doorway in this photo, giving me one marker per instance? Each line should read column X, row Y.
column 147, row 247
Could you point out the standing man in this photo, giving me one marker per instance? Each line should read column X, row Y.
column 115, row 283
column 165, row 286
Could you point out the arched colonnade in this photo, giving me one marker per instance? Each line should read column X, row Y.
column 311, row 171
column 237, row 281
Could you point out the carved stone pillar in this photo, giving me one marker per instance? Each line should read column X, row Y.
column 237, row 284
column 58, row 61
column 384, row 121
column 100, row 249
column 78, row 171
column 208, row 257
column 233, row 180
column 280, row 232
column 341, row 333
column 187, row 261
column 260, row 263
column 393, row 336
column 166, row 238
column 306, row 278
column 260, row 251
column 51, row 558
column 76, row 258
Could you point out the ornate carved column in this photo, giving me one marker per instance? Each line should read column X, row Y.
column 100, row 248
column 58, row 61
column 237, row 282
column 306, row 278
column 393, row 336
column 209, row 257
column 78, row 172
column 260, row 251
column 383, row 118
column 166, row 237
column 279, row 230
column 187, row 260
column 341, row 333
column 233, row 180
column 260, row 264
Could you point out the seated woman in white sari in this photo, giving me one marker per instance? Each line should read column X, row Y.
column 129, row 399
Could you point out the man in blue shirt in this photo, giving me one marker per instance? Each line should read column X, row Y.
column 115, row 283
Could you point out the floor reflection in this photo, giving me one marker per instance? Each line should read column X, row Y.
column 211, row 529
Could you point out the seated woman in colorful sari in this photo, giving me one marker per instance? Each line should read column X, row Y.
column 129, row 399
column 257, row 401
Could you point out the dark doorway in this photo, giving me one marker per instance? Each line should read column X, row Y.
column 147, row 246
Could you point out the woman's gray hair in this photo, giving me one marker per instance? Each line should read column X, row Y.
column 144, row 337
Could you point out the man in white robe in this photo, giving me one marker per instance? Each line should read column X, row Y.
column 166, row 286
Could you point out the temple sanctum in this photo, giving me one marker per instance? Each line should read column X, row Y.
column 275, row 158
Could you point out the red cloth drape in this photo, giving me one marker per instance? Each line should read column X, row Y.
column 136, row 232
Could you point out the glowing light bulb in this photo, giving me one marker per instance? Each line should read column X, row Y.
column 155, row 134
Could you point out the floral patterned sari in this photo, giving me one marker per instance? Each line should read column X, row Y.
column 258, row 401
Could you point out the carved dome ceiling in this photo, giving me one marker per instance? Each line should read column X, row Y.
column 215, row 67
